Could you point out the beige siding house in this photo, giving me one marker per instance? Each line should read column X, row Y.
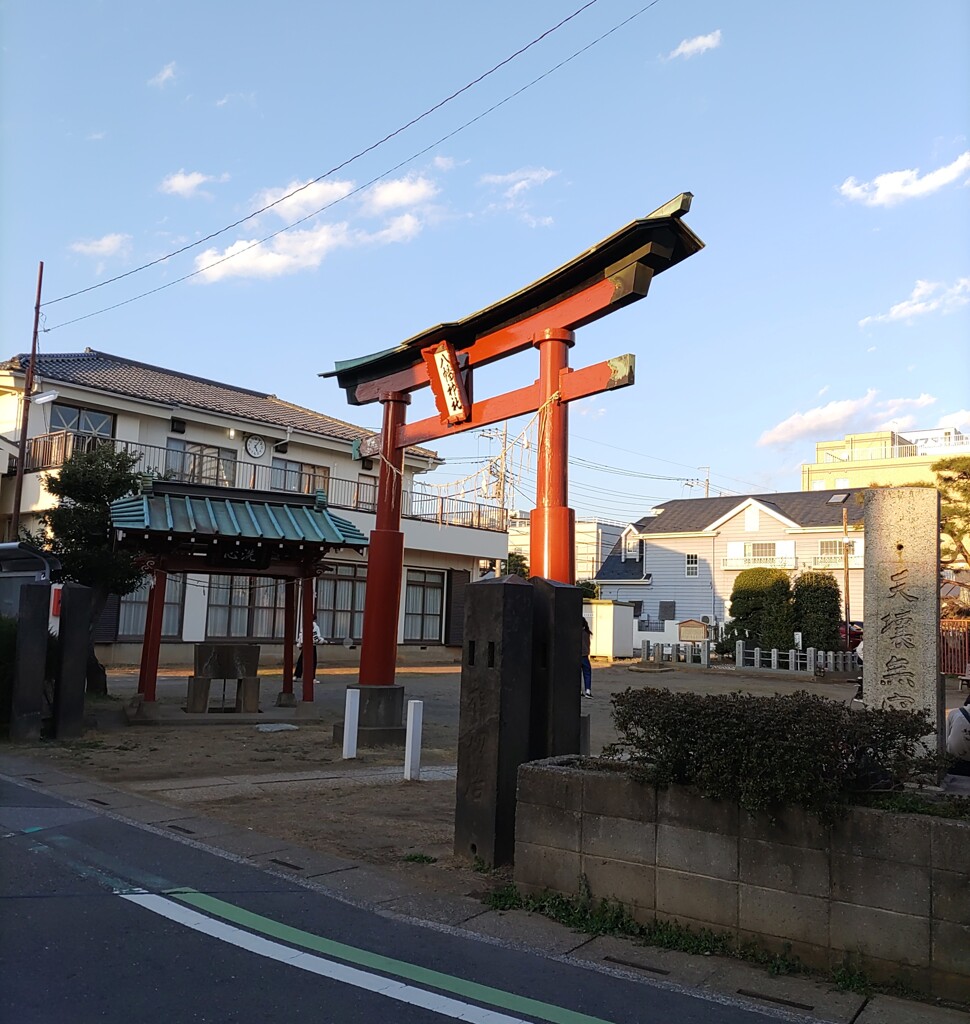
column 195, row 431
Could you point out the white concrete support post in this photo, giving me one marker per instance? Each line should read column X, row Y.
column 351, row 715
column 810, row 660
column 792, row 660
column 706, row 654
column 774, row 658
column 739, row 654
column 757, row 657
column 412, row 742
column 644, row 651
column 830, row 661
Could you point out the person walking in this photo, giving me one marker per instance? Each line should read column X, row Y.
column 584, row 660
column 317, row 639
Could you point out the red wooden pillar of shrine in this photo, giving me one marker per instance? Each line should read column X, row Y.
column 148, row 671
column 289, row 635
column 552, row 525
column 306, row 615
column 385, row 559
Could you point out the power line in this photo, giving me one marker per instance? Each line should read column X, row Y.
column 414, row 156
column 337, row 167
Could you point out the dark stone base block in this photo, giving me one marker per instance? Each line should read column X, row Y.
column 380, row 718
column 373, row 735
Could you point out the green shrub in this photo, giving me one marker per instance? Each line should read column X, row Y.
column 761, row 611
column 767, row 752
column 816, row 602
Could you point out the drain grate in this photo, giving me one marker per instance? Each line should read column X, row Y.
column 285, row 864
column 179, row 828
column 751, row 994
column 95, row 800
column 631, row 963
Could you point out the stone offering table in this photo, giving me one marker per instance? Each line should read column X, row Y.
column 224, row 661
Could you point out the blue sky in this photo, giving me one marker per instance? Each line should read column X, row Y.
column 826, row 144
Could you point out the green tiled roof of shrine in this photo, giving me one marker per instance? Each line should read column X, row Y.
column 207, row 517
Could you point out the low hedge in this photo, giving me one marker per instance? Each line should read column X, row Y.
column 769, row 752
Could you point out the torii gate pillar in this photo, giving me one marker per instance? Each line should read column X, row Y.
column 385, row 561
column 552, row 526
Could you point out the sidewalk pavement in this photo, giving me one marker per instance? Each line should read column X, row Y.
column 720, row 978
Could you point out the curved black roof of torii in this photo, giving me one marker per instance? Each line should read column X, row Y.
column 659, row 240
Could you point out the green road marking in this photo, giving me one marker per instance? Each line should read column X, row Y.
column 385, row 964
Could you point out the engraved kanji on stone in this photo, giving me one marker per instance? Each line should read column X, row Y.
column 898, row 588
column 899, row 627
column 897, row 672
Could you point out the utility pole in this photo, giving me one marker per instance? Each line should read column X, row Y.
column 845, row 573
column 501, row 471
column 707, row 480
column 18, row 487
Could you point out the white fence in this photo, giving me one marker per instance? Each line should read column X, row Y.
column 810, row 662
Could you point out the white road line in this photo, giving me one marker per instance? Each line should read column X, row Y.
column 388, row 987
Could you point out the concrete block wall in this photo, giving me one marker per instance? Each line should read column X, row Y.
column 889, row 891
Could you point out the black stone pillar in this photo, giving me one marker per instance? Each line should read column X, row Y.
column 493, row 731
column 556, row 645
column 30, row 660
column 73, row 639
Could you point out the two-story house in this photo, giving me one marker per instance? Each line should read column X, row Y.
column 680, row 561
column 190, row 430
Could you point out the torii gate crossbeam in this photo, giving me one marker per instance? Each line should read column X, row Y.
column 545, row 315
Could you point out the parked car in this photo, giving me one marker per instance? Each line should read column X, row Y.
column 855, row 634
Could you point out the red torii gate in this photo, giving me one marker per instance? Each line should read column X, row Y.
column 546, row 314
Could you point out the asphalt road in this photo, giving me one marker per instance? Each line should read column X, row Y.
column 103, row 920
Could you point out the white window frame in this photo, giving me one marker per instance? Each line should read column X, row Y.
column 692, row 565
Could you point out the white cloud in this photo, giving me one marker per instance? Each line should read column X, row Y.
column 444, row 163
column 188, row 185
column 294, row 251
column 863, row 413
column 311, row 197
column 817, row 422
column 392, row 195
column 166, row 75
column 96, row 136
column 107, row 245
column 959, row 419
column 520, row 181
column 399, row 229
column 926, row 297
column 285, row 254
column 897, row 186
column 892, row 407
column 872, row 348
column 697, row 44
column 822, row 390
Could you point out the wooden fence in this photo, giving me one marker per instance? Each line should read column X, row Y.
column 954, row 646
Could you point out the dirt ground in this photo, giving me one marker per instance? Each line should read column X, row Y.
column 237, row 774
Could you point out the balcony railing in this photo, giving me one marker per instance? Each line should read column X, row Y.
column 938, row 445
column 48, row 451
column 836, row 562
column 760, row 562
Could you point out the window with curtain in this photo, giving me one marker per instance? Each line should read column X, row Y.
column 298, row 477
column 134, row 609
column 194, row 463
column 340, row 601
column 245, row 606
column 423, row 605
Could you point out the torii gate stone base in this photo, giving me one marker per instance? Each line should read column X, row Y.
column 545, row 315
